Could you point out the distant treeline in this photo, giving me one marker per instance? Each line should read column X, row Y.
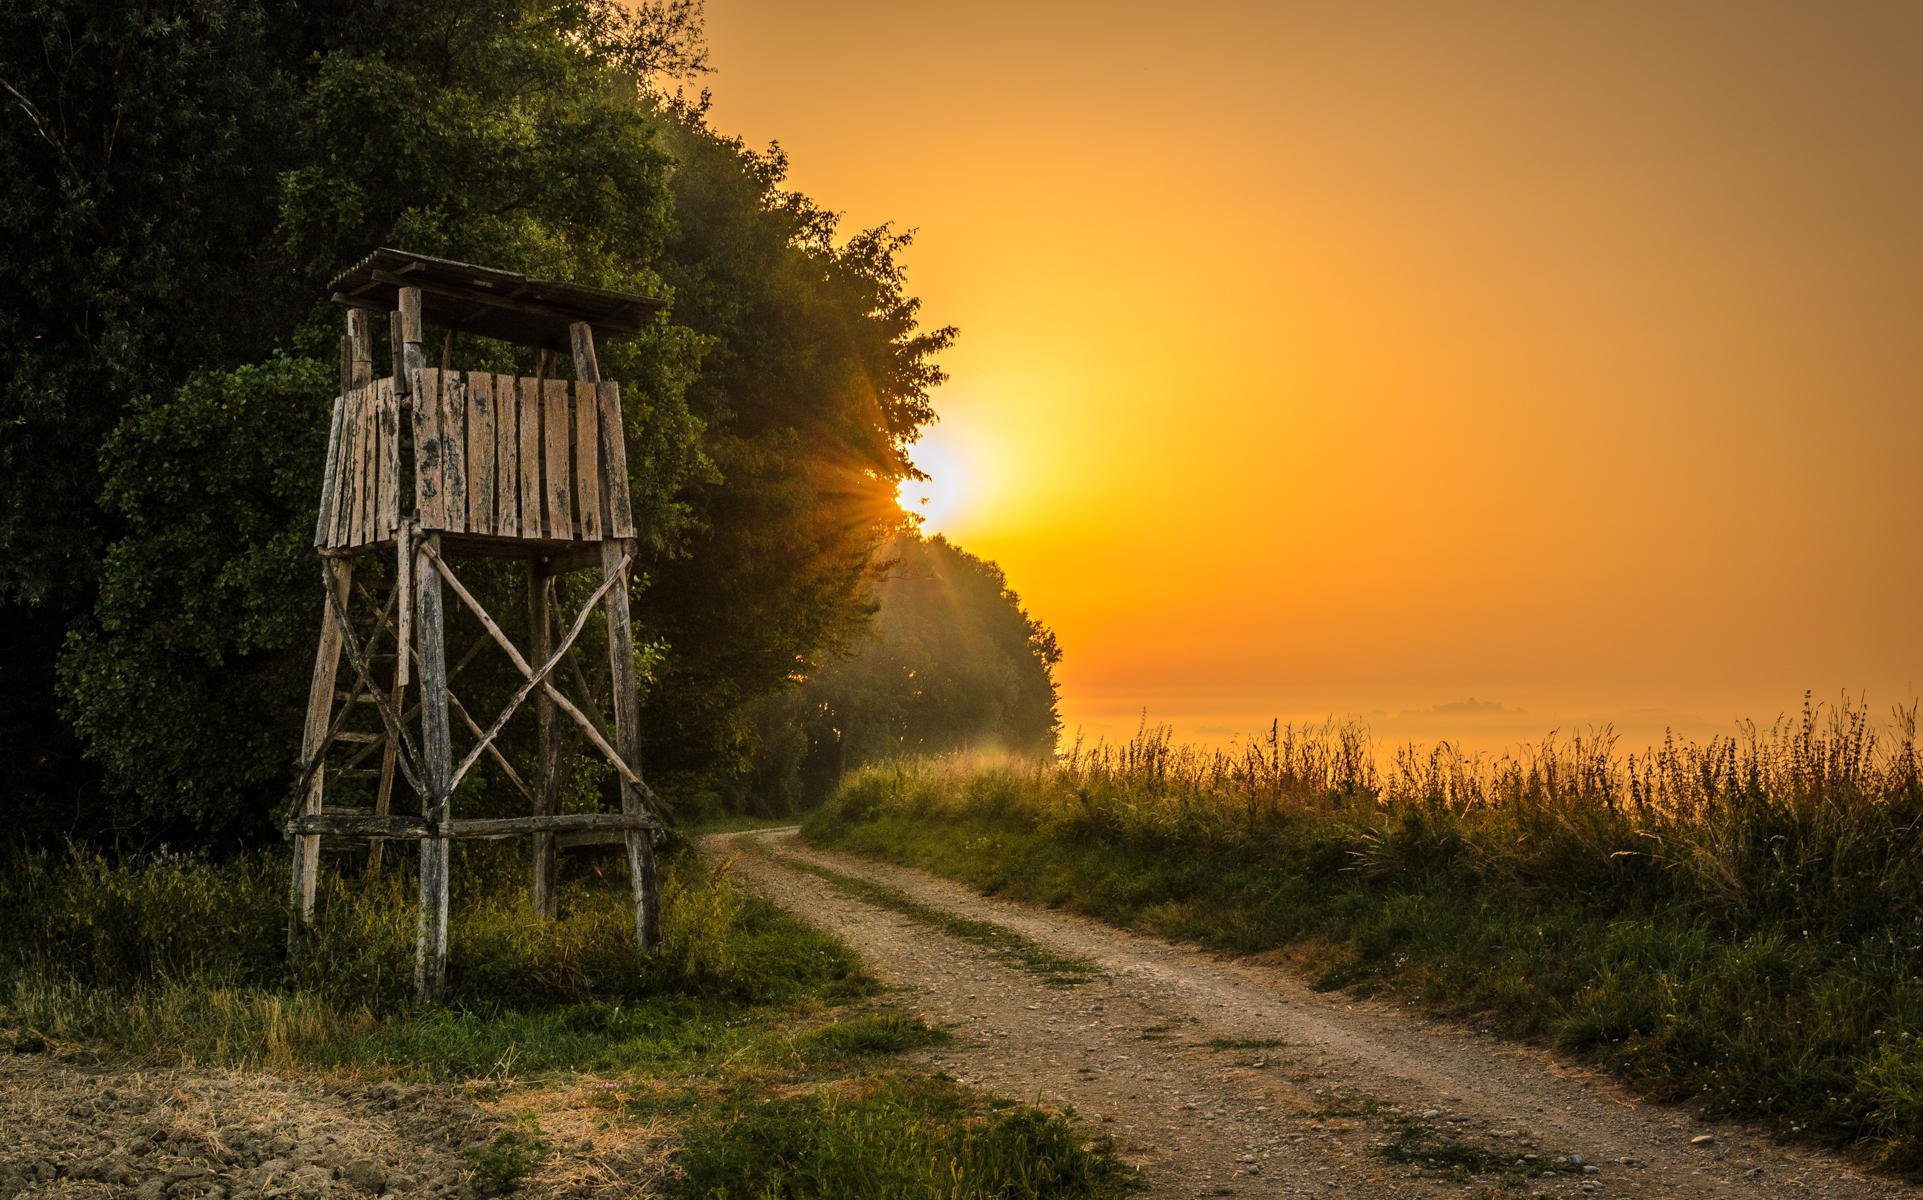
column 178, row 182
column 952, row 662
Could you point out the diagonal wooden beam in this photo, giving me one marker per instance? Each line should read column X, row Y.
column 501, row 639
column 409, row 755
column 313, row 764
column 493, row 751
column 534, row 680
column 587, row 691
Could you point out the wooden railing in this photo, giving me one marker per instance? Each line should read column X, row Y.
column 493, row 456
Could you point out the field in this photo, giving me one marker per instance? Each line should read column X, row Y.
column 1738, row 923
column 158, row 1032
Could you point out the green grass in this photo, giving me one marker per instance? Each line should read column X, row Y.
column 894, row 1136
column 867, row 1035
column 1244, row 1043
column 1739, row 924
column 175, row 961
column 1062, row 970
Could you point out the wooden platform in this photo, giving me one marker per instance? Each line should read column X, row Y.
column 500, row 460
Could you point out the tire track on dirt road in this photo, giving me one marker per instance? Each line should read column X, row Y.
column 1224, row 1077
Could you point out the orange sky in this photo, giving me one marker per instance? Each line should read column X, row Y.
column 1362, row 358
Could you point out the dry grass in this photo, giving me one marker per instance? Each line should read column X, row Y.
column 1738, row 920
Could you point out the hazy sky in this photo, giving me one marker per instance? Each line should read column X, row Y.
column 1362, row 358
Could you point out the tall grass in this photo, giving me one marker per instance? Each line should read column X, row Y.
column 1738, row 920
column 177, row 959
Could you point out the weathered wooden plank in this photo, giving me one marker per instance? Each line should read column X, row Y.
column 614, row 457
column 555, row 438
column 320, row 717
column 507, row 456
column 616, row 557
column 344, row 471
column 533, row 506
column 587, row 364
column 404, row 609
column 454, row 462
column 376, row 825
column 430, row 450
column 350, row 462
column 351, row 484
column 437, row 753
column 497, row 827
column 330, row 474
column 365, row 477
column 587, row 461
column 547, row 800
column 360, row 336
column 406, row 334
column 480, row 452
column 590, row 456
column 388, row 502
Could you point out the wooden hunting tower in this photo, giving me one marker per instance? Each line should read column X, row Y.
column 425, row 467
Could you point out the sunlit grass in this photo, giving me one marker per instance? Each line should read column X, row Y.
column 769, row 1054
column 1738, row 922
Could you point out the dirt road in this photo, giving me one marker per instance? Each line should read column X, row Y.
column 1221, row 1077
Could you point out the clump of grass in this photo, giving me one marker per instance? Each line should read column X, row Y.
column 867, row 1035
column 1244, row 1043
column 894, row 1136
column 1414, row 1143
column 501, row 1165
column 1738, row 921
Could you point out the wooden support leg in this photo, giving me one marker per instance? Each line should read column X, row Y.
column 397, row 696
column 547, row 795
column 320, row 713
column 627, row 731
column 437, row 753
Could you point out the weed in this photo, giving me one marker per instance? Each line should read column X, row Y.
column 499, row 1167
column 867, row 1035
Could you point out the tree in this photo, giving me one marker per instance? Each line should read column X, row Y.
column 172, row 404
column 952, row 662
column 816, row 379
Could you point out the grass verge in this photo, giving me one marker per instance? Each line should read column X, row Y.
column 750, row 1046
column 1741, row 925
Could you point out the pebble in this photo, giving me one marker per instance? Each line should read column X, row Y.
column 1703, row 1139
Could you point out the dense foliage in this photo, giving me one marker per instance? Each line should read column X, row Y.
column 1739, row 922
column 178, row 182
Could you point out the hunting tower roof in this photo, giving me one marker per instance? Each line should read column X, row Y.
column 489, row 301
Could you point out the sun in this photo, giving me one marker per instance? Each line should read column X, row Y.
column 936, row 499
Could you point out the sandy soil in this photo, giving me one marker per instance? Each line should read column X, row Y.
column 1302, row 1094
column 73, row 1130
column 70, row 1128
